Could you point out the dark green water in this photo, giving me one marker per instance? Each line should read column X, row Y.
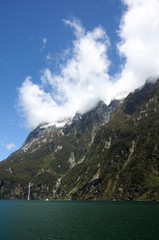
column 78, row 220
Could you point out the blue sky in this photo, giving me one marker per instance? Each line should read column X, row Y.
column 42, row 41
column 24, row 25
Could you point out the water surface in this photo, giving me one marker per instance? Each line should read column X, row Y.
column 78, row 220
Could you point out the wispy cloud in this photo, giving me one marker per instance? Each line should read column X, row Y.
column 10, row 146
column 44, row 41
column 83, row 78
column 48, row 57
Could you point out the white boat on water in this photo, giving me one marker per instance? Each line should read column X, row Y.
column 46, row 200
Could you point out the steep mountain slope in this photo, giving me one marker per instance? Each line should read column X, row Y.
column 123, row 161
column 109, row 153
column 49, row 153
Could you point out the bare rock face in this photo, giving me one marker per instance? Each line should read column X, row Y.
column 94, row 118
column 135, row 98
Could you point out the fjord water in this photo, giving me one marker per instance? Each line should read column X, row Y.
column 78, row 220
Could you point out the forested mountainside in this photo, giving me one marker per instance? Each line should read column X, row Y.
column 109, row 153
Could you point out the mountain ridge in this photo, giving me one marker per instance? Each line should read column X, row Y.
column 109, row 153
column 55, row 144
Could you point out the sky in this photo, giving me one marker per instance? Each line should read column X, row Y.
column 58, row 57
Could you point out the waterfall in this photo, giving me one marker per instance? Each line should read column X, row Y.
column 29, row 191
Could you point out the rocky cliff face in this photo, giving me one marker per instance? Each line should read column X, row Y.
column 109, row 153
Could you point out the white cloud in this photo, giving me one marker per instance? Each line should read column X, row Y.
column 79, row 31
column 83, row 78
column 11, row 146
column 139, row 32
column 37, row 105
column 44, row 40
column 48, row 56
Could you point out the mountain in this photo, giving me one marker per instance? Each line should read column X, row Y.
column 50, row 152
column 109, row 153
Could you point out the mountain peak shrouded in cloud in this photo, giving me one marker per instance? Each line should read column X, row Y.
column 84, row 77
